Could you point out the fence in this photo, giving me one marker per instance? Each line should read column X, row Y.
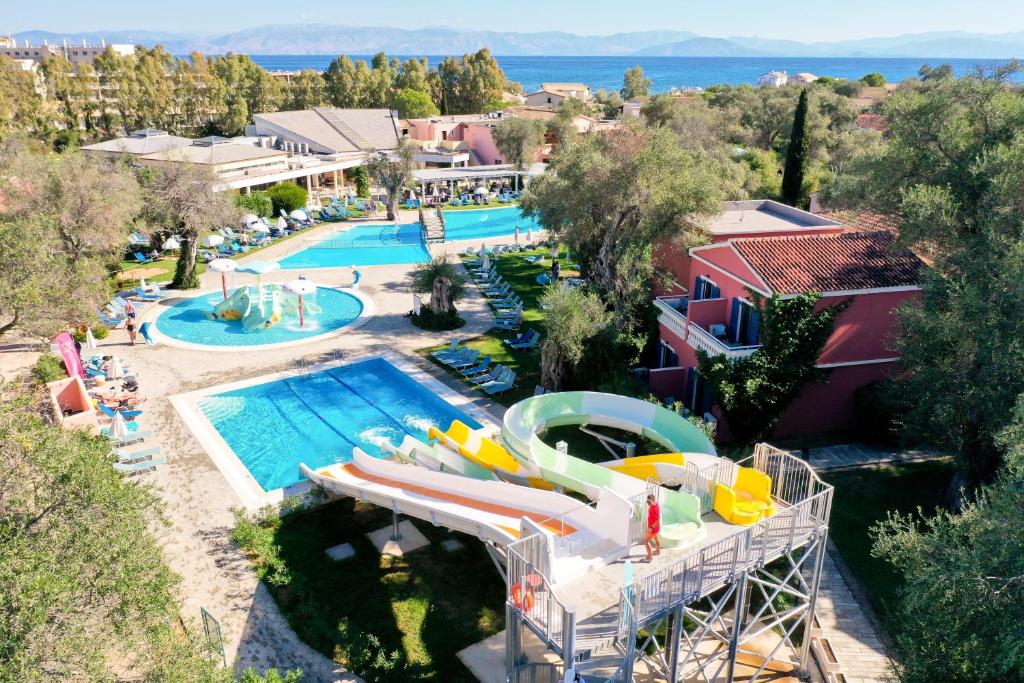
column 535, row 673
column 528, row 576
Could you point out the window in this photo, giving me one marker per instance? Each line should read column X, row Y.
column 698, row 394
column 667, row 357
column 444, row 135
column 744, row 323
column 704, row 288
column 549, row 100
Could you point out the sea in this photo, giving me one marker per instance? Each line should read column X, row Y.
column 668, row 72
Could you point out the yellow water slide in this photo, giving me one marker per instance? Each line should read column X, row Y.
column 488, row 454
column 663, row 468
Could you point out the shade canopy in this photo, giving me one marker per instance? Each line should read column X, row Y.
column 258, row 267
column 171, row 243
column 212, row 240
column 301, row 287
column 299, row 215
column 222, row 265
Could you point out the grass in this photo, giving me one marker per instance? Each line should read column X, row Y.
column 492, row 204
column 428, row 605
column 864, row 497
column 522, row 276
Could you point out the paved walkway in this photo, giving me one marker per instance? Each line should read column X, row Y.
column 848, row 456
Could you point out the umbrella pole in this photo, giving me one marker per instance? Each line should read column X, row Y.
column 301, row 322
column 224, row 285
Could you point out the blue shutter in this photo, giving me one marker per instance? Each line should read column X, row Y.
column 734, row 320
column 705, row 399
column 754, row 329
column 691, row 387
column 715, row 292
column 698, row 288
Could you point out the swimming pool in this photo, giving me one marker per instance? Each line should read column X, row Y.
column 318, row 418
column 481, row 223
column 363, row 245
column 190, row 320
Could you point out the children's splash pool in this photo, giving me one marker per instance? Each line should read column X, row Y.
column 190, row 321
column 318, row 418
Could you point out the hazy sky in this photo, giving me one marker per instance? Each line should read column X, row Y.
column 804, row 20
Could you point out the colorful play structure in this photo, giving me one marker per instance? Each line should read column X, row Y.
column 564, row 556
column 262, row 306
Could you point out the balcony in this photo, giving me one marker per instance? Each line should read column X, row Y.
column 673, row 312
column 702, row 340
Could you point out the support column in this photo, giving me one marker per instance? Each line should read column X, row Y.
column 568, row 639
column 674, row 634
column 819, row 561
column 739, row 609
column 396, row 535
column 248, row 190
column 336, row 188
column 513, row 638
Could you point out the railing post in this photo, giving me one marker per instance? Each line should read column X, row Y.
column 568, row 638
column 675, row 637
column 819, row 561
column 739, row 608
column 513, row 638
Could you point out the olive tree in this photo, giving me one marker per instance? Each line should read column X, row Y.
column 518, row 139
column 573, row 316
column 393, row 173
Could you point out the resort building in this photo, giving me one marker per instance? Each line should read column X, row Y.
column 75, row 54
column 768, row 249
column 577, row 90
column 138, row 143
column 773, row 79
column 804, row 77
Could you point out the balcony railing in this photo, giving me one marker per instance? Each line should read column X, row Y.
column 673, row 312
column 702, row 340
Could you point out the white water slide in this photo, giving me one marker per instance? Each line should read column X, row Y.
column 578, row 536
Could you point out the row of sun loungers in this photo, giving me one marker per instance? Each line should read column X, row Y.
column 488, row 377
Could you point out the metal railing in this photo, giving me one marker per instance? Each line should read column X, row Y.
column 673, row 312
column 702, row 340
column 700, row 482
column 535, row 673
column 528, row 574
column 558, row 522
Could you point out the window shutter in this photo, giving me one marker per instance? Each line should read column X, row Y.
column 734, row 320
column 698, row 288
column 754, row 329
column 715, row 292
column 691, row 387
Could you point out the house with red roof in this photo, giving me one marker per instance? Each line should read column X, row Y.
column 712, row 307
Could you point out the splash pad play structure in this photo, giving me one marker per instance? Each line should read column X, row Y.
column 260, row 307
column 568, row 579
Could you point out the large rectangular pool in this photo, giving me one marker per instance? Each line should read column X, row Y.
column 318, row 418
column 481, row 223
column 363, row 245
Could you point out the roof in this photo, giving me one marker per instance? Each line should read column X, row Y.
column 829, row 263
column 147, row 141
column 224, row 153
column 338, row 130
column 564, row 86
column 872, row 122
column 762, row 215
column 548, row 92
column 861, row 221
column 537, row 113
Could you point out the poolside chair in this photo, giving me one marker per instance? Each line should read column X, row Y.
column 146, row 296
column 500, row 292
column 478, row 369
column 508, row 324
column 109, row 321
column 521, row 338
column 525, row 344
column 126, row 414
column 141, row 467
column 502, row 384
column 466, row 361
column 452, row 348
column 496, row 372
column 132, row 437
column 134, row 456
column 539, row 390
column 535, row 259
column 507, row 304
column 141, row 258
column 543, row 279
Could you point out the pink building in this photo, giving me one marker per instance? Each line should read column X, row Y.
column 711, row 307
column 453, row 141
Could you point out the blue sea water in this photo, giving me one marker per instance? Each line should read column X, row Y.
column 317, row 419
column 476, row 224
column 668, row 72
column 189, row 320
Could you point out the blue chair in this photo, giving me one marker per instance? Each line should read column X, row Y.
column 139, row 257
column 126, row 414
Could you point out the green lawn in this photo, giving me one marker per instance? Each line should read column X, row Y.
column 522, row 276
column 428, row 605
column 493, row 204
column 864, row 497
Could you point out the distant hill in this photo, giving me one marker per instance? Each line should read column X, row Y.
column 337, row 39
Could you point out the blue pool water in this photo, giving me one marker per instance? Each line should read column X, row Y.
column 318, row 418
column 189, row 320
column 363, row 245
column 476, row 224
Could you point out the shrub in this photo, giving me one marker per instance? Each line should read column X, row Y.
column 874, row 79
column 49, row 368
column 258, row 202
column 286, row 197
column 98, row 331
column 362, row 181
column 428, row 320
column 254, row 533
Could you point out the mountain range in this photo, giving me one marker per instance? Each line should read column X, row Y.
column 306, row 39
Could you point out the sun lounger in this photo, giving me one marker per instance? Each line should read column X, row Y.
column 478, row 369
column 126, row 414
column 130, row 438
column 452, row 348
column 502, row 384
column 134, row 456
column 496, row 372
column 466, row 361
column 543, row 279
column 146, row 296
column 140, row 467
column 524, row 343
column 535, row 259
column 109, row 321
column 507, row 304
column 508, row 325
column 140, row 258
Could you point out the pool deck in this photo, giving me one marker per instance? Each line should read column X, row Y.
column 199, row 499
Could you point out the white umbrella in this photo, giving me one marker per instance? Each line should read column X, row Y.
column 299, row 215
column 118, row 427
column 115, row 370
column 480, row 190
column 222, row 266
column 281, row 223
column 417, row 304
column 213, row 240
column 300, row 287
column 171, row 243
column 259, row 227
column 517, row 234
column 529, row 235
column 90, row 340
column 250, row 218
column 487, row 261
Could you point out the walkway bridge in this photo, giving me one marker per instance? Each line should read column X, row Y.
column 675, row 617
column 432, row 221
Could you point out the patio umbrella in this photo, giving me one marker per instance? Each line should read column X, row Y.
column 259, row 268
column 212, row 240
column 90, row 340
column 480, row 190
column 259, row 227
column 115, row 370
column 299, row 288
column 487, row 261
column 171, row 243
column 118, row 427
column 222, row 266
column 299, row 215
column 250, row 218
column 529, row 235
column 281, row 223
column 516, row 233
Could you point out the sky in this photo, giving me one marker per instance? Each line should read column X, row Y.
column 803, row 20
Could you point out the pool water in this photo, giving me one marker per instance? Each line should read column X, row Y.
column 363, row 245
column 475, row 224
column 318, row 418
column 189, row 320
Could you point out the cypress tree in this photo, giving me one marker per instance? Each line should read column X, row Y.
column 796, row 154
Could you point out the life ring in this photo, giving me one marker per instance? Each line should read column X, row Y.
column 522, row 599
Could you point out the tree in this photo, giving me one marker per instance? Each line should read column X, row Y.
column 180, row 198
column 469, row 83
column 938, row 73
column 200, row 94
column 362, row 181
column 796, row 154
column 414, row 104
column 630, row 187
column 305, row 91
column 21, row 107
column 755, row 391
column 440, row 277
column 393, row 173
column 950, row 177
column 874, row 79
column 573, row 316
column 258, row 203
column 572, row 107
column 635, row 84
column 286, row 197
column 249, row 90
column 518, row 139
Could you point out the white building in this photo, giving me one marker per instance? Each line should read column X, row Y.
column 804, row 78
column 545, row 98
column 76, row 54
column 774, row 79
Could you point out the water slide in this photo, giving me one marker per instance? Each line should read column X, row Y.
column 489, row 455
column 437, row 457
column 524, row 422
column 578, row 536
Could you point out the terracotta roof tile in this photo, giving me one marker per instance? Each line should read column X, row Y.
column 872, row 122
column 861, row 221
column 829, row 263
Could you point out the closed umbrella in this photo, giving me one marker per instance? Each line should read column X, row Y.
column 90, row 340
column 487, row 261
column 281, row 223
column 516, row 233
column 222, row 266
column 529, row 235
column 300, row 287
column 250, row 218
column 212, row 240
column 171, row 243
column 115, row 370
column 119, row 427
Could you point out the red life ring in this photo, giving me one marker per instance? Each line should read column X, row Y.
column 522, row 599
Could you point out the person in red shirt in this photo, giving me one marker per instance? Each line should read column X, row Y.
column 651, row 540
